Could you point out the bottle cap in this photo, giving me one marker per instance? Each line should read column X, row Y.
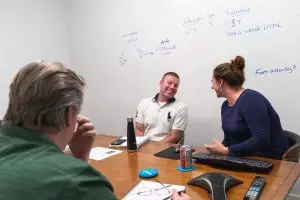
column 129, row 119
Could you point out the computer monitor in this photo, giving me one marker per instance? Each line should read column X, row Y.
column 294, row 193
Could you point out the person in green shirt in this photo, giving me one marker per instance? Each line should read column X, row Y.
column 43, row 111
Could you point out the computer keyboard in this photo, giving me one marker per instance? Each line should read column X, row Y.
column 231, row 162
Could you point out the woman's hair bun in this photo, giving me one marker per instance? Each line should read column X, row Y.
column 238, row 62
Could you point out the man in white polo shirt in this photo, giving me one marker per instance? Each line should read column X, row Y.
column 162, row 117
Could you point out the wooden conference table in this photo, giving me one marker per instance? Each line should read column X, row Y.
column 122, row 172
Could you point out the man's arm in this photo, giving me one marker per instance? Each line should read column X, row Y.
column 179, row 125
column 139, row 129
column 139, row 120
column 174, row 136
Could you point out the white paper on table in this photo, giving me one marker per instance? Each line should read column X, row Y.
column 140, row 191
column 100, row 153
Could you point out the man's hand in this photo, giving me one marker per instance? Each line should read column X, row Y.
column 217, row 147
column 139, row 129
column 83, row 138
column 173, row 137
column 182, row 196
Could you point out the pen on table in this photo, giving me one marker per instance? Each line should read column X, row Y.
column 170, row 197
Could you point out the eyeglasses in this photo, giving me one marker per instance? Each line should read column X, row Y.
column 145, row 191
column 159, row 191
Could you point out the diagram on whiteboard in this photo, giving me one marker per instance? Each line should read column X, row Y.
column 239, row 22
column 192, row 24
column 236, row 21
column 230, row 23
column 132, row 43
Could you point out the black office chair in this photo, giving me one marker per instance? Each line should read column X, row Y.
column 293, row 152
column 216, row 183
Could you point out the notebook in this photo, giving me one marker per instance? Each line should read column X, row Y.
column 146, row 190
column 140, row 140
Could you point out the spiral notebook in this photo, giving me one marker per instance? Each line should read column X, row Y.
column 148, row 190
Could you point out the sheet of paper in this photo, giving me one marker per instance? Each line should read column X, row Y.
column 149, row 190
column 100, row 153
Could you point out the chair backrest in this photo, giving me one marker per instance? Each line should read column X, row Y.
column 293, row 152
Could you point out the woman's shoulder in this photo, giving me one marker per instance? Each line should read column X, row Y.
column 250, row 95
column 253, row 100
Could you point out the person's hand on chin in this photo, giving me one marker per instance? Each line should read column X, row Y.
column 83, row 138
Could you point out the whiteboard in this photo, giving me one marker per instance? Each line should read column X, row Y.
column 30, row 30
column 123, row 48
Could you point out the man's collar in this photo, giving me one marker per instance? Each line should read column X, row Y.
column 171, row 100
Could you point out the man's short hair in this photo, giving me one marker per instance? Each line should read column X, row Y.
column 170, row 74
column 40, row 94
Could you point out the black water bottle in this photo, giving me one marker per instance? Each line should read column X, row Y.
column 131, row 140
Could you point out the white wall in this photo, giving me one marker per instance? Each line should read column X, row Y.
column 29, row 30
column 120, row 68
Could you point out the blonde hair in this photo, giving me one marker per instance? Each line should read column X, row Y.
column 40, row 94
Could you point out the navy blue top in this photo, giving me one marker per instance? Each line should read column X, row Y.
column 252, row 127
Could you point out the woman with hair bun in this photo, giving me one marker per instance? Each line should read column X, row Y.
column 250, row 124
